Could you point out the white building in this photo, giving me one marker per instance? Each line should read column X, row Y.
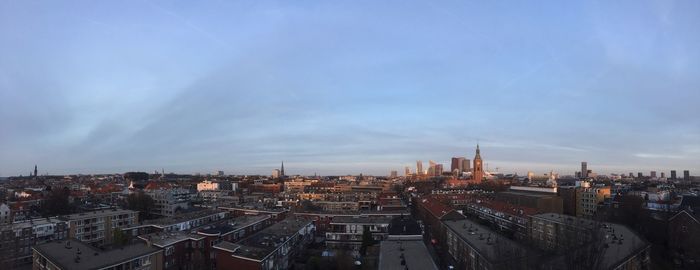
column 168, row 201
column 207, row 185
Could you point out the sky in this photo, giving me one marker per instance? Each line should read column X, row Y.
column 348, row 87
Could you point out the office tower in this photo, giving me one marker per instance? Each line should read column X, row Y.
column 457, row 164
column 639, row 175
column 673, row 174
column 276, row 173
column 686, row 175
column 478, row 170
column 419, row 167
column 394, row 174
column 584, row 169
column 663, row 175
column 438, row 169
column 631, row 175
column 466, row 165
column 407, row 171
column 652, row 174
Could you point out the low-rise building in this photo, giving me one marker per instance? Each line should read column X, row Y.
column 270, row 249
column 346, row 232
column 604, row 245
column 76, row 255
column 472, row 246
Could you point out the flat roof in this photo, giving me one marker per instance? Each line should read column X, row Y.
column 413, row 252
column 488, row 244
column 234, row 224
column 362, row 219
column 90, row 257
column 621, row 241
column 98, row 213
column 261, row 244
column 164, row 239
column 404, row 226
column 179, row 218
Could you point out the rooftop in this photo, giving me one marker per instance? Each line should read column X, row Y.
column 183, row 217
column 163, row 239
column 260, row 245
column 414, row 254
column 621, row 242
column 404, row 226
column 234, row 225
column 361, row 219
column 100, row 213
column 487, row 243
column 90, row 257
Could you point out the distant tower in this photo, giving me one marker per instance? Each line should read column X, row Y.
column 35, row 171
column 478, row 170
column 584, row 169
column 419, row 167
column 282, row 169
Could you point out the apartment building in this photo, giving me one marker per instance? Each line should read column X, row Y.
column 270, row 249
column 472, row 246
column 77, row 255
column 96, row 228
column 169, row 202
column 346, row 232
column 588, row 199
column 17, row 240
column 614, row 245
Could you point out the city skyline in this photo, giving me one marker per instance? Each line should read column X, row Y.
column 339, row 88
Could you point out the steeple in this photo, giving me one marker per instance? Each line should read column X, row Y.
column 282, row 169
column 35, row 171
column 478, row 152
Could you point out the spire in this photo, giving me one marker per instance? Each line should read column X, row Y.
column 478, row 152
column 35, row 171
column 282, row 169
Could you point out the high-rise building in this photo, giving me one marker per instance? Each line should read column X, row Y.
column 394, row 174
column 686, row 175
column 639, row 175
column 631, row 175
column 584, row 169
column 478, row 170
column 673, row 174
column 419, row 167
column 276, row 173
column 652, row 174
column 663, row 175
column 407, row 171
column 457, row 164
column 466, row 165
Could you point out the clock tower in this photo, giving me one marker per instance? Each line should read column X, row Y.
column 478, row 170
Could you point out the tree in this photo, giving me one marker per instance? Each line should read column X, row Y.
column 120, row 238
column 57, row 203
column 367, row 241
column 141, row 202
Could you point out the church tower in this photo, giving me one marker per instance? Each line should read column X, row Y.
column 478, row 170
column 282, row 169
column 35, row 171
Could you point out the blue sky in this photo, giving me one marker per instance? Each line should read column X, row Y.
column 348, row 87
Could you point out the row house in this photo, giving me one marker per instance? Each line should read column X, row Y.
column 270, row 249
